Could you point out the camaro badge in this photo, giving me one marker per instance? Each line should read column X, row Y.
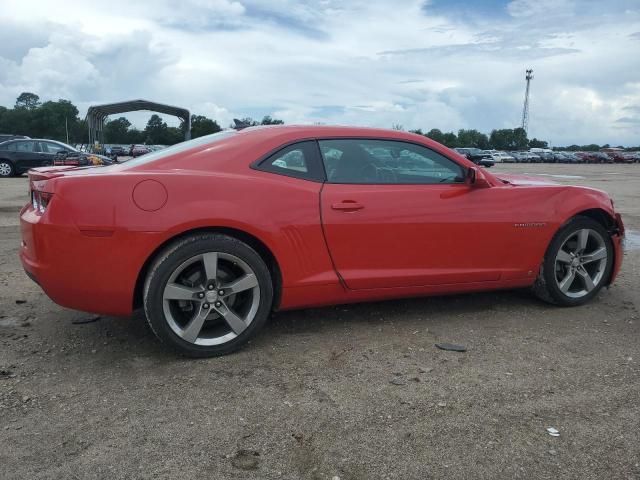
column 529, row 225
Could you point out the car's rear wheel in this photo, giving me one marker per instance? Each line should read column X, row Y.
column 6, row 169
column 207, row 295
column 577, row 264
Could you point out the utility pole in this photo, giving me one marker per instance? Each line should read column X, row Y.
column 525, row 109
column 66, row 128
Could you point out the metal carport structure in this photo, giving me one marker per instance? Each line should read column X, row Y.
column 97, row 114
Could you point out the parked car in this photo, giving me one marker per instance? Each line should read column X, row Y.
column 585, row 157
column 600, row 157
column 533, row 157
column 18, row 156
column 543, row 155
column 619, row 157
column 139, row 150
column 117, row 151
column 502, row 157
column 244, row 228
column 4, row 137
column 520, row 157
column 560, row 157
column 477, row 156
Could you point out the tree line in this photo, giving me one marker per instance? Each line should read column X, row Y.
column 499, row 139
column 58, row 119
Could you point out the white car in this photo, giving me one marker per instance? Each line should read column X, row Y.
column 500, row 157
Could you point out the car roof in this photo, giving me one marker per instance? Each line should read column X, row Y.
column 251, row 142
column 321, row 130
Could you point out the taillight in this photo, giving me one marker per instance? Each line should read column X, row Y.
column 40, row 200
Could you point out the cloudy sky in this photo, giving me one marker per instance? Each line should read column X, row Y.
column 445, row 64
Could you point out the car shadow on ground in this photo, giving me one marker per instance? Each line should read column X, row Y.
column 134, row 334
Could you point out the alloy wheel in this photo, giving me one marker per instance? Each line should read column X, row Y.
column 580, row 263
column 211, row 298
column 5, row 169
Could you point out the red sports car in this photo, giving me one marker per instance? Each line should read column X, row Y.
column 211, row 235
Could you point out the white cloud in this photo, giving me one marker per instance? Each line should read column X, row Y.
column 366, row 62
column 539, row 8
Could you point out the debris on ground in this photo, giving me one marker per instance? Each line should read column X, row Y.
column 553, row 432
column 451, row 347
column 20, row 302
column 397, row 381
column 246, row 459
column 83, row 321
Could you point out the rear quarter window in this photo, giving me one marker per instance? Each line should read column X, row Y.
column 177, row 148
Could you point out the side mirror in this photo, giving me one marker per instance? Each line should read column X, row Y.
column 472, row 175
column 476, row 179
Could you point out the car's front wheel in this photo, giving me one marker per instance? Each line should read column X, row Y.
column 6, row 169
column 577, row 264
column 207, row 294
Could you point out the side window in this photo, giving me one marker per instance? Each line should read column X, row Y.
column 48, row 147
column 363, row 161
column 25, row 146
column 299, row 160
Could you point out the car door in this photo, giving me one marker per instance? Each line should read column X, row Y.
column 398, row 214
column 48, row 151
column 26, row 155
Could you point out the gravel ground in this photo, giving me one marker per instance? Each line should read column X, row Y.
column 351, row 392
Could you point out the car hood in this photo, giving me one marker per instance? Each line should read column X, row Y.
column 523, row 180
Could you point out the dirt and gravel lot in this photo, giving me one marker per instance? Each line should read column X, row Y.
column 351, row 392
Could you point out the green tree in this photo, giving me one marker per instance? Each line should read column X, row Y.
column 201, row 125
column 116, row 131
column 79, row 132
column 156, row 130
column 450, row 140
column 535, row 143
column 436, row 135
column 135, row 136
column 520, row 138
column 172, row 135
column 27, row 100
column 248, row 121
column 267, row 120
column 53, row 120
column 509, row 139
column 472, row 138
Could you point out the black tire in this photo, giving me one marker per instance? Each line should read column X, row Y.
column 180, row 251
column 546, row 287
column 7, row 169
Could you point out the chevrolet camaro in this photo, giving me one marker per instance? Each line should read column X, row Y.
column 212, row 235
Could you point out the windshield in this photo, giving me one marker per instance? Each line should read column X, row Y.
column 179, row 147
